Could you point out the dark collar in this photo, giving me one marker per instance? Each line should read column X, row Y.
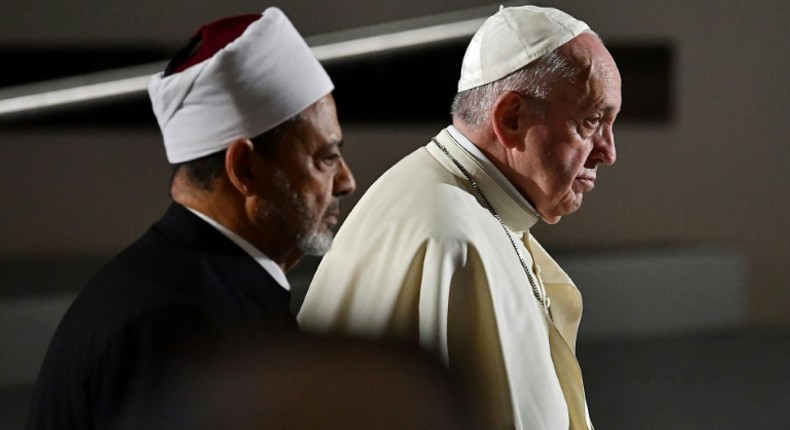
column 189, row 229
column 232, row 264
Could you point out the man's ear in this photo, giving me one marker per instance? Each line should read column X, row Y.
column 239, row 158
column 508, row 119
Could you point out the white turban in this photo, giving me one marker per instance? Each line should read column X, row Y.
column 265, row 76
column 513, row 38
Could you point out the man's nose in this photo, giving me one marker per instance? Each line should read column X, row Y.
column 344, row 180
column 604, row 151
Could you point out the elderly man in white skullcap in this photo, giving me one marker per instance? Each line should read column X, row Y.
column 249, row 124
column 439, row 248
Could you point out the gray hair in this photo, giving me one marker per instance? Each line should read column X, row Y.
column 535, row 80
column 203, row 171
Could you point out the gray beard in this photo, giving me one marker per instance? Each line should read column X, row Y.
column 315, row 243
column 310, row 240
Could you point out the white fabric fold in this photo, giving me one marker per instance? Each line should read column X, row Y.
column 261, row 79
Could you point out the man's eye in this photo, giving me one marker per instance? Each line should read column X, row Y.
column 332, row 158
column 593, row 122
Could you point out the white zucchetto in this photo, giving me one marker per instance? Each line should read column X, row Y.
column 512, row 38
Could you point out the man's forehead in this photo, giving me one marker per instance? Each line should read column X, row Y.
column 321, row 118
column 598, row 81
column 314, row 133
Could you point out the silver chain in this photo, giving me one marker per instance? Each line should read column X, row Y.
column 544, row 302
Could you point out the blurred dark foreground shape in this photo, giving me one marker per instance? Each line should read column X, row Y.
column 306, row 382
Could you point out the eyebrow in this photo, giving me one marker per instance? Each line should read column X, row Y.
column 330, row 145
column 601, row 105
column 610, row 108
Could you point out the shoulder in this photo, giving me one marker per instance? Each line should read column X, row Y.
column 418, row 197
column 155, row 331
column 92, row 365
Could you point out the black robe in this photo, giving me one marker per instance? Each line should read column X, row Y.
column 181, row 283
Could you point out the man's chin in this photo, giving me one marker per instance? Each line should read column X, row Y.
column 317, row 243
column 551, row 219
column 554, row 216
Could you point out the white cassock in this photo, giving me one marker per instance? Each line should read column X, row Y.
column 420, row 256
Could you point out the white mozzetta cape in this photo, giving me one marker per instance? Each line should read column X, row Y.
column 419, row 256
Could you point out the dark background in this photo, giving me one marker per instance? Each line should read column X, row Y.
column 680, row 251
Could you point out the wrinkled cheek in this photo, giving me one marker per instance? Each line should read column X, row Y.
column 575, row 188
column 571, row 201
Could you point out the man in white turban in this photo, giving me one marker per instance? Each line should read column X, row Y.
column 249, row 125
column 439, row 248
